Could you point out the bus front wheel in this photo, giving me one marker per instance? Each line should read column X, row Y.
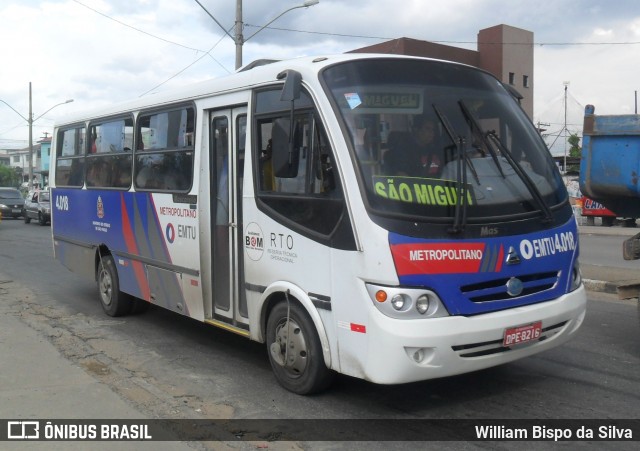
column 295, row 351
column 114, row 302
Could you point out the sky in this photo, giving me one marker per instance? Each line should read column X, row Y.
column 98, row 52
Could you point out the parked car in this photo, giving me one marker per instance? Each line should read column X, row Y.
column 11, row 203
column 37, row 206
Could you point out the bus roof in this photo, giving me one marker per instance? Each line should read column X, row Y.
column 251, row 75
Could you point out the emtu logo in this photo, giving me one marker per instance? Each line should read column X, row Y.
column 170, row 233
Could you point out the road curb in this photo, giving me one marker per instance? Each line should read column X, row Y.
column 601, row 286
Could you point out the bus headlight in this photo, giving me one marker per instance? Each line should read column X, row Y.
column 422, row 304
column 399, row 302
column 576, row 277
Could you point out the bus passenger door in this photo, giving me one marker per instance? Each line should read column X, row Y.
column 227, row 138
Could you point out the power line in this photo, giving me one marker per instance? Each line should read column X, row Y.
column 347, row 35
column 540, row 44
column 342, row 35
column 12, row 128
column 137, row 29
column 187, row 67
column 205, row 53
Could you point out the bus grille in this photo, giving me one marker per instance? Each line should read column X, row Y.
column 471, row 350
column 496, row 290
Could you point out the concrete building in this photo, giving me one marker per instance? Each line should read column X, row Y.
column 5, row 159
column 19, row 160
column 503, row 50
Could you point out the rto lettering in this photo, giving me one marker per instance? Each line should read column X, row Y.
column 281, row 240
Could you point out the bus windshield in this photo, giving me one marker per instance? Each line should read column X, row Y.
column 430, row 137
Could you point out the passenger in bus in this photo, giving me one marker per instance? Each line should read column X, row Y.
column 98, row 173
column 267, row 167
column 425, row 148
column 171, row 180
column 122, row 176
column 76, row 173
column 395, row 158
column 94, row 139
column 416, row 154
column 148, row 177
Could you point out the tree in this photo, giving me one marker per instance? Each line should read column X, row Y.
column 9, row 177
column 575, row 150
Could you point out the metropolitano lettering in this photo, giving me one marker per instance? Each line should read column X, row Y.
column 445, row 254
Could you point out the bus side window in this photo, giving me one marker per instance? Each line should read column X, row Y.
column 298, row 184
column 109, row 160
column 164, row 155
column 70, row 157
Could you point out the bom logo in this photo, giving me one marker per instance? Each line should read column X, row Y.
column 254, row 241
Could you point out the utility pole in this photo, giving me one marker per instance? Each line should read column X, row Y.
column 540, row 129
column 30, row 121
column 566, row 85
column 239, row 39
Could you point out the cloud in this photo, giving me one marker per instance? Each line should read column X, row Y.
column 89, row 50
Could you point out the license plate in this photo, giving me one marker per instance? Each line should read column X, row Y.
column 522, row 334
column 16, row 210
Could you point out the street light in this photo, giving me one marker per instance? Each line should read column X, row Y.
column 239, row 38
column 30, row 121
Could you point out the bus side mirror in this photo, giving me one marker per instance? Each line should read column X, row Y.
column 514, row 92
column 284, row 136
column 292, row 85
column 286, row 151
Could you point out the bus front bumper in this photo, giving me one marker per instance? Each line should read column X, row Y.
column 401, row 351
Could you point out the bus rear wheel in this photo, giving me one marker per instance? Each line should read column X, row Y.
column 295, row 351
column 114, row 302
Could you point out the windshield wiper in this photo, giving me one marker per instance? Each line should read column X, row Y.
column 460, row 216
column 517, row 167
column 477, row 130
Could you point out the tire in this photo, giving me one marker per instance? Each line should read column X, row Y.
column 41, row 220
column 114, row 302
column 27, row 219
column 305, row 372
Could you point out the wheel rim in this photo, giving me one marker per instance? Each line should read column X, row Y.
column 106, row 286
column 289, row 349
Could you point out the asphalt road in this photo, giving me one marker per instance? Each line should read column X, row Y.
column 602, row 246
column 169, row 366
